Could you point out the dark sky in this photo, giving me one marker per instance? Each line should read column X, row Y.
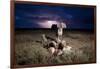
column 42, row 16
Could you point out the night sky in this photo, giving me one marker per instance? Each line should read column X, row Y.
column 30, row 16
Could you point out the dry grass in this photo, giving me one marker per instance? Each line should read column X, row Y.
column 28, row 51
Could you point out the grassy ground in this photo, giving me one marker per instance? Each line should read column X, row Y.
column 29, row 51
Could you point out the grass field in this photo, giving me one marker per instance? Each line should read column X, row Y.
column 29, row 51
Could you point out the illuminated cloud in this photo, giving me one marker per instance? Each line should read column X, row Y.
column 47, row 24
